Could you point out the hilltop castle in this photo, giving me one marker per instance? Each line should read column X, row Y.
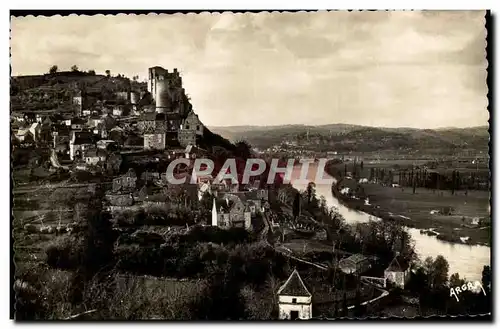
column 173, row 118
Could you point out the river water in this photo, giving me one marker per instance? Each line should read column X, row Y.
column 467, row 260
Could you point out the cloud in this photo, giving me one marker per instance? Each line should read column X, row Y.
column 412, row 68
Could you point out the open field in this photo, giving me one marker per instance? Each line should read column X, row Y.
column 475, row 204
column 414, row 210
column 408, row 163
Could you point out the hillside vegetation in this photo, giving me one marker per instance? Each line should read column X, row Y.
column 53, row 91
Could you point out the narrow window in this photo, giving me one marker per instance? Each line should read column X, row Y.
column 294, row 300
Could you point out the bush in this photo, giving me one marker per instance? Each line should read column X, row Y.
column 65, row 253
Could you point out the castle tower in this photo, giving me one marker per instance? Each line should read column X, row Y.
column 162, row 96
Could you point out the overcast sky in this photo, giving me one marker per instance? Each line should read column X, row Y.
column 393, row 69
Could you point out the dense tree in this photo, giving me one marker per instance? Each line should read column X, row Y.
column 486, row 278
column 413, row 180
column 74, row 68
column 91, row 72
column 221, row 290
column 358, row 312
column 436, row 271
column 335, row 309
column 456, row 281
column 440, row 271
column 383, row 239
column 323, row 207
column 53, row 69
column 243, row 149
column 296, row 207
column 344, row 311
column 108, row 73
column 311, row 192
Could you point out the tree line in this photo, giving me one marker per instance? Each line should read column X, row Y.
column 421, row 177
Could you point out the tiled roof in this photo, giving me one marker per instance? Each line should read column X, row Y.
column 354, row 263
column 81, row 140
column 223, row 205
column 78, row 121
column 356, row 258
column 294, row 286
column 83, row 137
column 398, row 264
column 23, row 131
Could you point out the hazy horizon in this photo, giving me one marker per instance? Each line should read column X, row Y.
column 406, row 69
column 347, row 124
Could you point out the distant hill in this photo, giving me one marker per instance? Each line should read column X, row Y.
column 345, row 137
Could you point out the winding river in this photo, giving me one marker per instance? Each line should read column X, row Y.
column 467, row 260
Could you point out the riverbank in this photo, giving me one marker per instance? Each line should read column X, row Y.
column 414, row 210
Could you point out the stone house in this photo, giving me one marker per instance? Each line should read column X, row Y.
column 120, row 199
column 80, row 142
column 150, row 176
column 186, row 137
column 125, row 182
column 155, row 140
column 106, row 144
column 119, row 110
column 190, row 127
column 294, row 299
column 94, row 121
column 153, row 127
column 398, row 272
column 150, row 122
column 95, row 157
column 355, row 264
column 24, row 135
column 254, row 200
column 230, row 212
column 60, row 134
column 123, row 95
